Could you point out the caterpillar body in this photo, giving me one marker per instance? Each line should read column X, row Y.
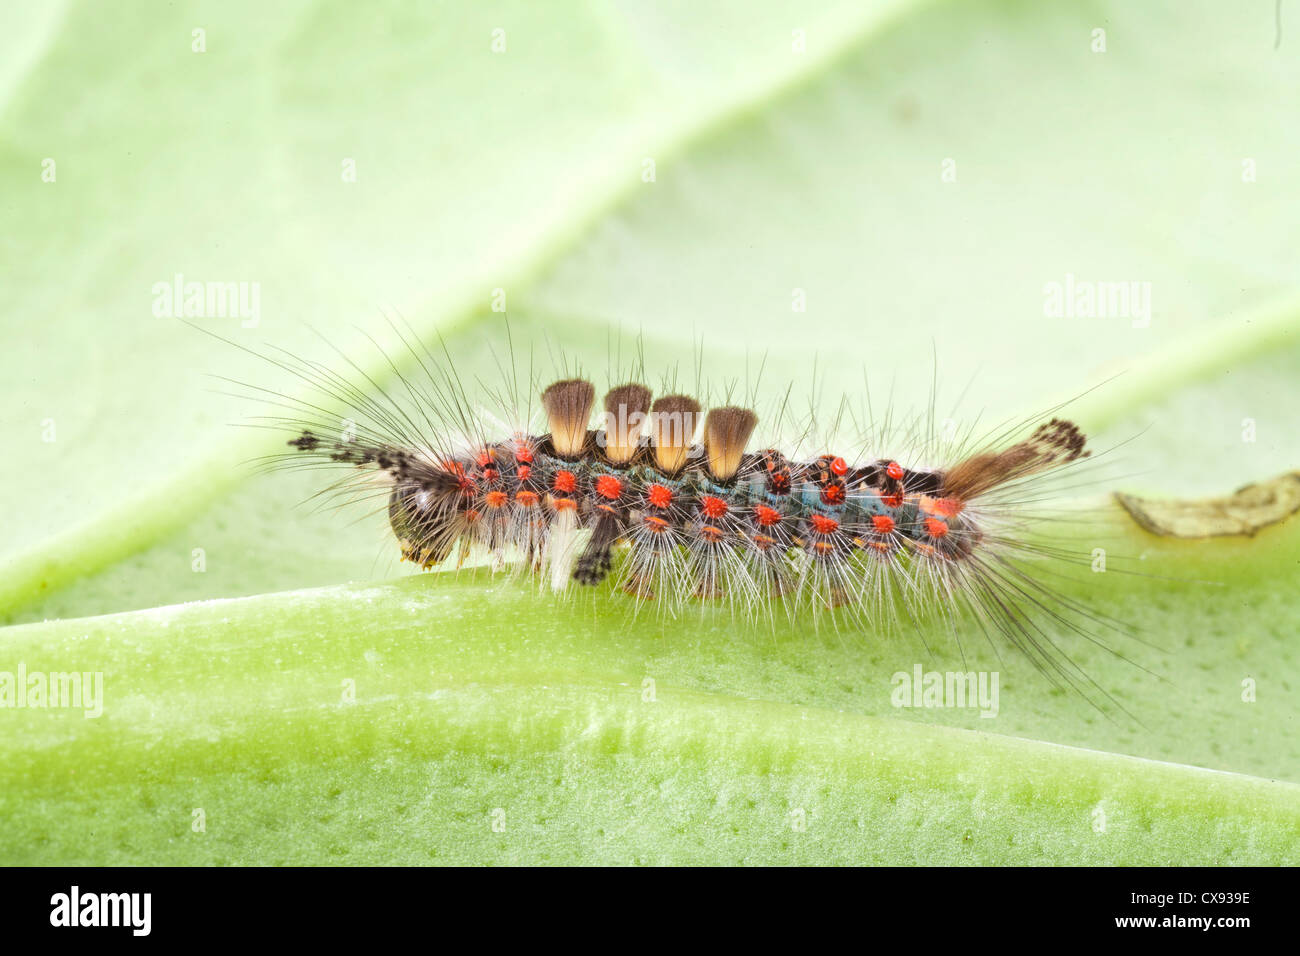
column 700, row 515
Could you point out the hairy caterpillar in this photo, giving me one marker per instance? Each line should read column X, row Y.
column 670, row 500
column 686, row 509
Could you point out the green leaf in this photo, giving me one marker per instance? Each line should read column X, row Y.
column 472, row 171
column 778, row 174
column 399, row 722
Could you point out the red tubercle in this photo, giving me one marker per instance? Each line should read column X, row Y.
column 712, row 507
column 607, row 486
column 833, row 494
column 659, row 496
column 893, row 501
column 523, row 471
column 767, row 516
column 711, row 534
column 484, row 459
column 655, row 524
column 883, row 524
column 494, row 499
column 948, row 507
column 895, row 471
column 943, row 507
column 524, row 453
column 823, row 524
column 839, row 466
column 454, row 468
column 490, row 474
column 526, row 498
column 565, row 481
column 935, row 528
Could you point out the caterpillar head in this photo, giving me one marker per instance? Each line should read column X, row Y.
column 428, row 514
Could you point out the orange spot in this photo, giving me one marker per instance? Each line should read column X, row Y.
column 522, row 472
column 607, row 486
column 471, row 515
column 824, row 525
column 948, row 507
column 657, row 525
column 935, row 528
column 711, row 533
column 833, row 494
column 882, row 545
column 892, row 501
column 763, row 541
column 494, row 499
column 457, row 471
column 564, row 504
column 767, row 516
column 894, row 470
column 712, row 507
column 659, row 496
column 823, row 547
column 943, row 507
column 565, row 481
column 839, row 466
column 883, row 523
column 526, row 498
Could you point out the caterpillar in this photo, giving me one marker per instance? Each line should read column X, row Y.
column 676, row 504
column 685, row 509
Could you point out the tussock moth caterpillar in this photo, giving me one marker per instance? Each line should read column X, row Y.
column 674, row 501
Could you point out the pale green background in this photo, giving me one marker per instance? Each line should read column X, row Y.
column 775, row 170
